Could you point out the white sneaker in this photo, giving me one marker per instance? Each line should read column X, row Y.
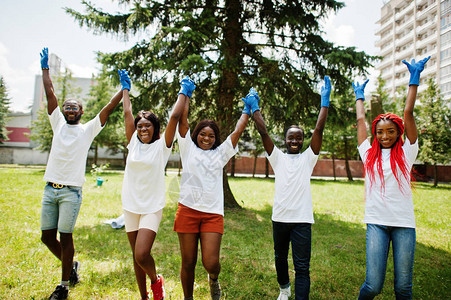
column 284, row 293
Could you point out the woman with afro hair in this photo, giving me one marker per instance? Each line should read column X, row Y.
column 389, row 213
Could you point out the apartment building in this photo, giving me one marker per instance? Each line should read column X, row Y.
column 415, row 29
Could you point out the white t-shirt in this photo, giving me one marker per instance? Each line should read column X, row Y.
column 143, row 188
column 391, row 207
column 201, row 184
column 70, row 146
column 292, row 197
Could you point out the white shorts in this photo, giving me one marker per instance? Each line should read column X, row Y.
column 134, row 222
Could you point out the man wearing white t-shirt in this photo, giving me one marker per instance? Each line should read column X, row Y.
column 292, row 215
column 65, row 175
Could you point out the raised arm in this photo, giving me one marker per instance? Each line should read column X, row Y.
column 187, row 87
column 109, row 108
column 126, row 104
column 268, row 144
column 183, row 122
column 359, row 91
column 52, row 101
column 239, row 128
column 409, row 121
column 250, row 104
column 317, row 137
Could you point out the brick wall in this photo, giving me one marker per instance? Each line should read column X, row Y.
column 324, row 167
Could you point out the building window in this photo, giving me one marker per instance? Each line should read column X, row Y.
column 445, row 38
column 445, row 54
column 445, row 21
column 446, row 87
column 446, row 7
column 445, row 72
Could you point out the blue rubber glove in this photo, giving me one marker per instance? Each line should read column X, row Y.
column 359, row 90
column 325, row 92
column 247, row 107
column 187, row 86
column 415, row 70
column 252, row 100
column 125, row 79
column 45, row 58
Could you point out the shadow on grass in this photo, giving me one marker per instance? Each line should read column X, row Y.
column 337, row 264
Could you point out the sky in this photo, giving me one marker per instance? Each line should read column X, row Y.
column 26, row 26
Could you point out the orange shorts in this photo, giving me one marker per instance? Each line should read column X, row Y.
column 188, row 220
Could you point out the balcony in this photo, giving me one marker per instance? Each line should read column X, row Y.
column 403, row 40
column 424, row 42
column 399, row 15
column 387, row 61
column 387, row 24
column 425, row 27
column 385, row 39
column 402, row 81
column 431, row 7
column 407, row 25
column 386, row 51
column 407, row 53
column 429, row 70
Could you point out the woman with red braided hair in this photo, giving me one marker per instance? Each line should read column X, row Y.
column 389, row 213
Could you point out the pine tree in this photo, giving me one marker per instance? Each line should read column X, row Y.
column 4, row 109
column 227, row 47
column 434, row 127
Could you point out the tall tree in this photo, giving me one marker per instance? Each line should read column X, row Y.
column 4, row 109
column 41, row 131
column 434, row 127
column 227, row 47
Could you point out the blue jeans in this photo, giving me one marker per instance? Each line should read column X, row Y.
column 378, row 239
column 60, row 208
column 300, row 236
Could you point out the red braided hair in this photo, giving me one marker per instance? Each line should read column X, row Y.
column 397, row 157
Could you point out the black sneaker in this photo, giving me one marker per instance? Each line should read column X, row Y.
column 59, row 293
column 73, row 277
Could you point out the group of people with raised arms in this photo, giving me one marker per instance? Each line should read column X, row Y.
column 199, row 218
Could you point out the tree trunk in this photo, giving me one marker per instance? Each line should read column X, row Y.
column 255, row 165
column 375, row 110
column 435, row 175
column 96, row 153
column 124, row 154
column 228, row 202
column 333, row 166
column 232, row 171
column 266, row 168
column 180, row 167
column 348, row 169
column 229, row 83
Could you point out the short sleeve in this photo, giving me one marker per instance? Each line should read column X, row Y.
column 166, row 150
column 184, row 142
column 274, row 157
column 363, row 148
column 410, row 150
column 227, row 151
column 95, row 126
column 312, row 158
column 132, row 142
column 56, row 118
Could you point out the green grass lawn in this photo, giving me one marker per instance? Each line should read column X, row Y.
column 29, row 271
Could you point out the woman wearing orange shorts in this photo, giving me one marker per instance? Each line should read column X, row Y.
column 201, row 204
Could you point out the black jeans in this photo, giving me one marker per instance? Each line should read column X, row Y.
column 300, row 236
